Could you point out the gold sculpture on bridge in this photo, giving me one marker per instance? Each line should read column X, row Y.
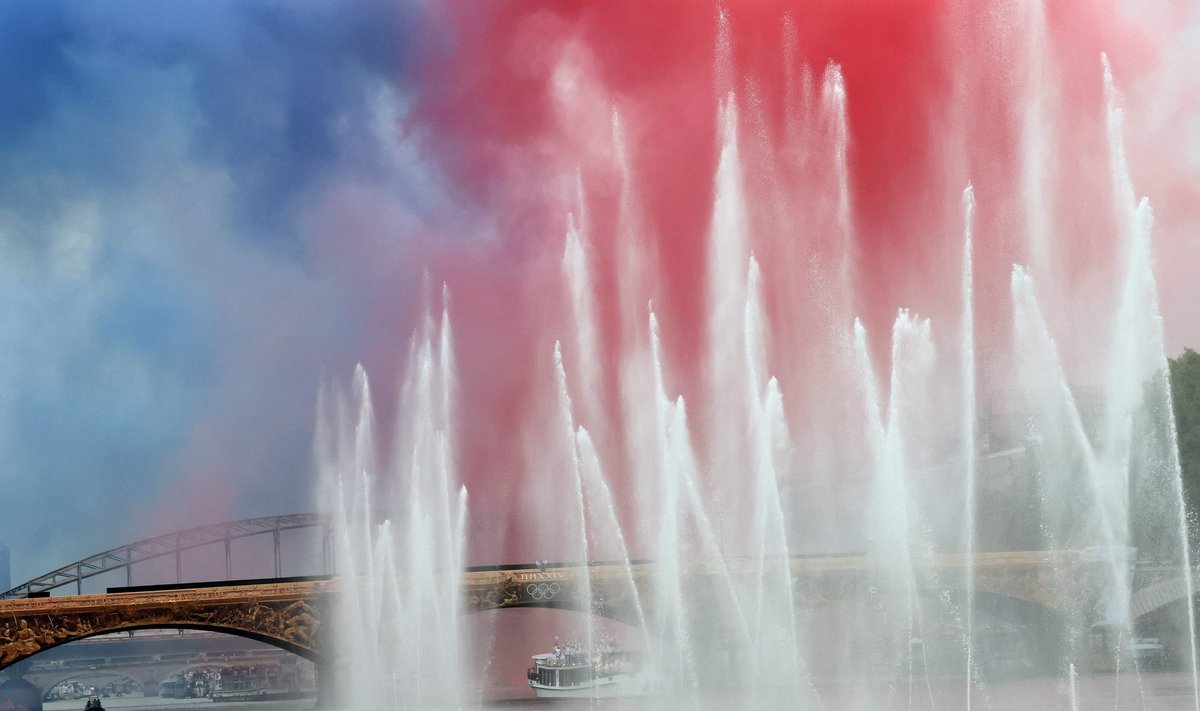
column 505, row 593
column 285, row 614
column 25, row 639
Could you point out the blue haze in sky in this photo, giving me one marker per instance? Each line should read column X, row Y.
column 203, row 211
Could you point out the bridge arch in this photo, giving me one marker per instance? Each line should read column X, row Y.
column 147, row 669
column 1033, row 599
column 301, row 650
column 1158, row 595
column 287, row 615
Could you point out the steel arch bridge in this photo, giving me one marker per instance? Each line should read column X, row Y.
column 1023, row 575
column 297, row 615
column 175, row 544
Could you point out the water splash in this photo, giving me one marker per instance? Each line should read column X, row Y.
column 739, row 479
column 804, row 438
column 398, row 521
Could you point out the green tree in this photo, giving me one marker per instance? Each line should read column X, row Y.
column 1152, row 481
column 1185, row 395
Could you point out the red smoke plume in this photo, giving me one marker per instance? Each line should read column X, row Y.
column 937, row 93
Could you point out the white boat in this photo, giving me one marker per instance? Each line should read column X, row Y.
column 1148, row 651
column 564, row 674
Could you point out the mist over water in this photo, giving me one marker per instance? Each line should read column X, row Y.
column 1029, row 416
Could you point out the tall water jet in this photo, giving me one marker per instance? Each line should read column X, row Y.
column 898, row 550
column 583, row 549
column 969, row 435
column 776, row 654
column 727, row 259
column 400, row 527
column 1139, row 351
column 600, row 525
column 746, row 437
column 671, row 628
column 576, row 266
column 1038, row 128
column 635, row 279
column 833, row 105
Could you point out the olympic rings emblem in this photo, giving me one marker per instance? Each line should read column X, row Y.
column 542, row 591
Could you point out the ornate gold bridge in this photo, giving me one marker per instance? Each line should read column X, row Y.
column 287, row 615
column 1037, row 577
column 294, row 615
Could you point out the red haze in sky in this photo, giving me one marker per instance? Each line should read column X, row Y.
column 521, row 106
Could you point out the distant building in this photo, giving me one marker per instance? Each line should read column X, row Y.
column 5, row 574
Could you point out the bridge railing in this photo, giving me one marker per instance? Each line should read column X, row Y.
column 126, row 556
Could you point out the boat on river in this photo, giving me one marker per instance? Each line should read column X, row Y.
column 566, row 673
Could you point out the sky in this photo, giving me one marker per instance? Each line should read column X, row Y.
column 209, row 208
column 203, row 208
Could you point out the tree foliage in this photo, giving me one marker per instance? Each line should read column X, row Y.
column 1185, row 396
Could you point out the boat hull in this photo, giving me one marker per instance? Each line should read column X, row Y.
column 637, row 684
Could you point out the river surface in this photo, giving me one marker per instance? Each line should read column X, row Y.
column 152, row 703
column 1168, row 691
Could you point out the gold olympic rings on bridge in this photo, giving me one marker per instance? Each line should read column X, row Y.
column 542, row 591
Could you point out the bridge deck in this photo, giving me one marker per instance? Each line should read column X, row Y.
column 108, row 602
column 288, row 613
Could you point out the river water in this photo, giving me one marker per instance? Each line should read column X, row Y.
column 1166, row 691
column 155, row 703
